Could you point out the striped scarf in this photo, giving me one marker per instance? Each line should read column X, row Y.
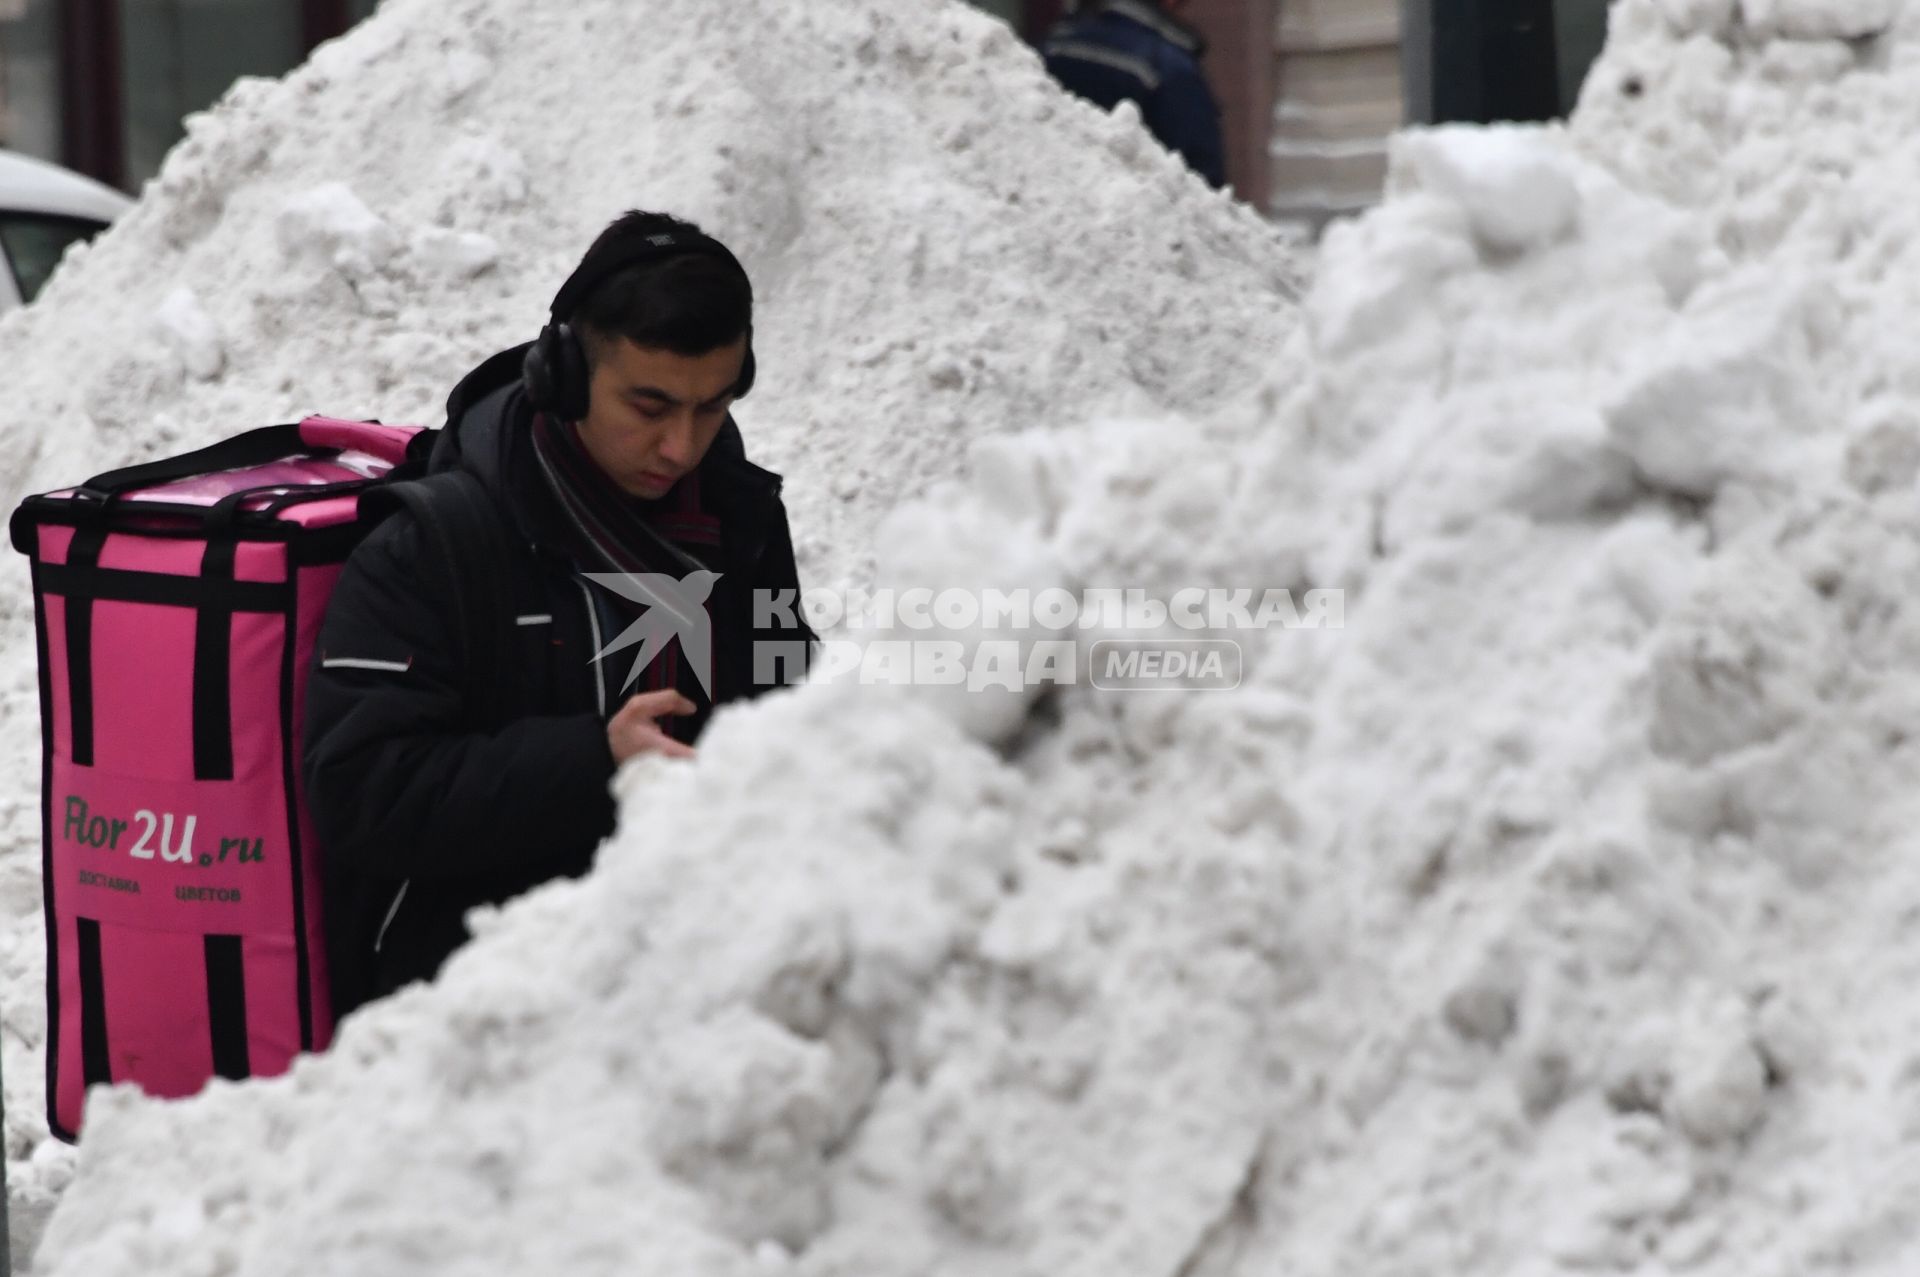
column 612, row 531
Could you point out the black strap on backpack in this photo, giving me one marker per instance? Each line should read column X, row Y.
column 463, row 522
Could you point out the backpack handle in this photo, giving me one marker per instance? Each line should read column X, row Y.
column 392, row 444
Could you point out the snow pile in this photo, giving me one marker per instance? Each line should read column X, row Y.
column 1609, row 791
column 1555, row 916
column 944, row 248
column 943, row 245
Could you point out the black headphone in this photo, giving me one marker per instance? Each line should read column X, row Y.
column 555, row 369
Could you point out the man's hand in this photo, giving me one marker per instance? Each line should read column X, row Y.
column 636, row 728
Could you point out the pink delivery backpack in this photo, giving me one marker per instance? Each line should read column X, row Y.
column 177, row 604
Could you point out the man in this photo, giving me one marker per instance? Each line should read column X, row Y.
column 1110, row 51
column 626, row 508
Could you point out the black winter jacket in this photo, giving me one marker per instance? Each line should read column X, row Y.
column 424, row 810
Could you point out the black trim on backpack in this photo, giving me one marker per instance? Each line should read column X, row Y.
column 227, row 1006
column 290, row 783
column 96, row 1064
column 82, row 557
column 213, row 670
column 166, row 520
column 73, row 580
column 46, row 852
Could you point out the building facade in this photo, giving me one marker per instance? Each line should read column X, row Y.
column 1350, row 72
column 102, row 86
column 1309, row 89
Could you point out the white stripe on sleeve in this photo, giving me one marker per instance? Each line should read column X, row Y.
column 364, row 663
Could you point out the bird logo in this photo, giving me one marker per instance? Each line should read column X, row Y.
column 676, row 608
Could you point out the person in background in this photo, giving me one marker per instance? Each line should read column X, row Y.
column 1114, row 51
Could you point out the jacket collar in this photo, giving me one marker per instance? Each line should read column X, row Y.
column 1160, row 22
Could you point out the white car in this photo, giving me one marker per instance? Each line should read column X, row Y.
column 43, row 209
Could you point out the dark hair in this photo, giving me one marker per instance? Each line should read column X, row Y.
column 689, row 303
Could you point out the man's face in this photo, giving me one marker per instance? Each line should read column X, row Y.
column 652, row 414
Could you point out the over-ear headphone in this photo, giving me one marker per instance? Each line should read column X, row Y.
column 555, row 369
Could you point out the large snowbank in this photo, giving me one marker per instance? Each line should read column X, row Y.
column 1553, row 917
column 944, row 248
